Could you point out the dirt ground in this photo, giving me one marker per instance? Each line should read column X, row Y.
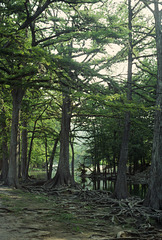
column 69, row 216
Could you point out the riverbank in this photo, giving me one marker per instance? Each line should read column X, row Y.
column 68, row 214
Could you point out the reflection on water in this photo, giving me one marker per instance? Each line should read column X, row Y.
column 98, row 184
column 138, row 190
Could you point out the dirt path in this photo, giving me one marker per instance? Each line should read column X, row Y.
column 26, row 216
column 65, row 216
column 29, row 216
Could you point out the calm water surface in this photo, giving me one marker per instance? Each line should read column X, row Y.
column 134, row 189
column 87, row 183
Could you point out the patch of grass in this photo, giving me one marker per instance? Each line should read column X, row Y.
column 10, row 202
column 16, row 209
column 76, row 229
column 41, row 199
column 17, row 200
column 4, row 197
column 57, row 214
column 67, row 217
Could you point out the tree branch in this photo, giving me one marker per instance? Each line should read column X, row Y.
column 39, row 10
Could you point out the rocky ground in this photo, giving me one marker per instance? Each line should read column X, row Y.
column 69, row 214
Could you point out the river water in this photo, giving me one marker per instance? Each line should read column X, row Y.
column 108, row 185
column 102, row 184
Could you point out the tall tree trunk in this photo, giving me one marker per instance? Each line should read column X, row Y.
column 121, row 190
column 154, row 195
column 52, row 158
column 17, row 95
column 30, row 150
column 63, row 176
column 18, row 154
column 4, row 148
column 31, row 143
column 72, row 161
column 46, row 155
column 24, row 146
column 4, row 161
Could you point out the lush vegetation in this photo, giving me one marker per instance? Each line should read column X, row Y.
column 78, row 85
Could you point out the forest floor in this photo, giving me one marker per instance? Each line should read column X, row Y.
column 69, row 214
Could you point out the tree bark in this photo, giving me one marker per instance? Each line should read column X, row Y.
column 121, row 190
column 30, row 150
column 63, row 176
column 17, row 95
column 154, row 196
column 46, row 154
column 5, row 154
column 31, row 144
column 18, row 154
column 52, row 158
column 24, row 146
column 72, row 161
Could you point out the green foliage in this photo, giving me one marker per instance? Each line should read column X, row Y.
column 66, row 46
